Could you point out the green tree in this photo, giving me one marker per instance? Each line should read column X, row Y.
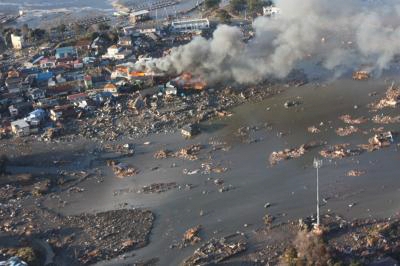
column 255, row 6
column 238, row 5
column 224, row 16
column 210, row 4
column 3, row 164
column 25, row 30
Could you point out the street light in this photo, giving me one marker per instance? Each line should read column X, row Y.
column 317, row 164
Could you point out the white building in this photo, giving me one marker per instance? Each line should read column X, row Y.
column 191, row 25
column 116, row 52
column 139, row 15
column 271, row 11
column 20, row 128
column 17, row 41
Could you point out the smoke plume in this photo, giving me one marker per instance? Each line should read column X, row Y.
column 337, row 36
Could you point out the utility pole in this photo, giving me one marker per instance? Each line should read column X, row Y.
column 317, row 164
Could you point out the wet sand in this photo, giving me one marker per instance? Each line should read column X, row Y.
column 288, row 186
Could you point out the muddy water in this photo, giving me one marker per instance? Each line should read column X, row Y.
column 289, row 186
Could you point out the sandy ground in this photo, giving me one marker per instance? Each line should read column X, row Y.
column 252, row 182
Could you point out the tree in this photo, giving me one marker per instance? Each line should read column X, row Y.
column 210, row 4
column 224, row 16
column 78, row 28
column 255, row 6
column 25, row 30
column 238, row 5
column 3, row 164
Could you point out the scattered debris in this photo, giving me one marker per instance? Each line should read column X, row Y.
column 353, row 121
column 361, row 75
column 215, row 251
column 381, row 119
column 346, row 131
column 313, row 130
column 340, row 151
column 189, row 153
column 289, row 104
column 158, row 187
column 355, row 173
column 391, row 99
column 191, row 236
column 122, row 169
column 162, row 154
column 288, row 154
column 378, row 141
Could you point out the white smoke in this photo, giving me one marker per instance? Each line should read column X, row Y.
column 338, row 35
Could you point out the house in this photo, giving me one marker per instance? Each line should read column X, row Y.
column 271, row 11
column 125, row 41
column 36, row 94
column 63, row 89
column 66, row 52
column 47, row 63
column 17, row 41
column 44, row 77
column 19, row 109
column 83, row 45
column 112, row 88
column 116, row 52
column 20, row 128
column 88, row 82
column 14, row 84
column 62, row 112
column 140, row 15
column 190, row 130
column 190, row 25
column 36, row 117
column 46, row 103
column 76, row 97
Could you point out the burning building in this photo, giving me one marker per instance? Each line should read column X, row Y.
column 186, row 81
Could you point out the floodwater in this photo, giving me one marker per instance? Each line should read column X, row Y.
column 288, row 186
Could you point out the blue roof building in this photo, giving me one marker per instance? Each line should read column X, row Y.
column 66, row 52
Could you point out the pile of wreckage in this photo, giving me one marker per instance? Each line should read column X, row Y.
column 189, row 153
column 391, row 99
column 379, row 141
column 353, row 121
column 215, row 251
column 122, row 169
column 293, row 153
column 339, row 151
column 346, row 131
column 385, row 119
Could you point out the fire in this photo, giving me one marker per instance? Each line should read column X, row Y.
column 137, row 74
column 187, row 81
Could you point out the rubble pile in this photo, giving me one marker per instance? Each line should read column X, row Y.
column 215, row 251
column 209, row 168
column 293, row 153
column 158, row 187
column 191, row 236
column 391, row 99
column 189, row 153
column 162, row 154
column 109, row 234
column 137, row 118
column 378, row 141
column 355, row 173
column 380, row 119
column 353, row 121
column 122, row 169
column 346, row 131
column 340, row 151
column 313, row 130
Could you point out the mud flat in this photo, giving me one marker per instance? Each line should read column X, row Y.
column 246, row 187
